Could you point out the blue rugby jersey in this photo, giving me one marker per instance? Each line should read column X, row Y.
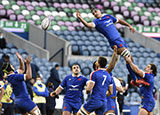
column 74, row 87
column 147, row 91
column 102, row 81
column 105, row 25
column 18, row 83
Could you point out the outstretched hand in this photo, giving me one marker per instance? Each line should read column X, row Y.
column 28, row 60
column 132, row 29
column 19, row 56
column 78, row 14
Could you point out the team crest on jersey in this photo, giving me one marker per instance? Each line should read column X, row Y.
column 69, row 79
column 65, row 107
column 107, row 16
column 79, row 79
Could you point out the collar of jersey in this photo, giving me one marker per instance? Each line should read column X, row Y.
column 75, row 76
column 101, row 69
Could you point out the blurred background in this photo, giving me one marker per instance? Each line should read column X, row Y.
column 69, row 42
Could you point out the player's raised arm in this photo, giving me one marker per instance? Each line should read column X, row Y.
column 21, row 63
column 28, row 71
column 134, row 67
column 126, row 24
column 89, row 25
column 113, row 61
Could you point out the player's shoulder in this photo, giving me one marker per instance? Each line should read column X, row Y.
column 68, row 76
column 82, row 77
column 94, row 72
column 149, row 74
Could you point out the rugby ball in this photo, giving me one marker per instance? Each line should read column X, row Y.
column 45, row 23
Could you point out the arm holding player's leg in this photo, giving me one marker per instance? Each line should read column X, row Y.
column 134, row 67
column 28, row 71
column 126, row 24
column 56, row 92
column 89, row 25
column 113, row 61
column 21, row 63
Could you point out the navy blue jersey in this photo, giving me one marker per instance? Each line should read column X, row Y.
column 147, row 91
column 18, row 84
column 105, row 25
column 74, row 87
column 102, row 81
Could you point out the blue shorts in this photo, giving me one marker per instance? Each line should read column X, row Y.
column 95, row 105
column 25, row 105
column 148, row 104
column 119, row 42
column 111, row 105
column 70, row 106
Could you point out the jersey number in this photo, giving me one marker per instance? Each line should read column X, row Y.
column 104, row 79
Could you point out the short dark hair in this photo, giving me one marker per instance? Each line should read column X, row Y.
column 102, row 62
column 94, row 65
column 76, row 64
column 38, row 76
column 6, row 67
column 57, row 65
column 154, row 69
column 93, row 9
column 5, row 56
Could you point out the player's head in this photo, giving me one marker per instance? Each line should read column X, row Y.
column 96, row 12
column 7, row 68
column 101, row 62
column 151, row 68
column 76, row 69
column 95, row 66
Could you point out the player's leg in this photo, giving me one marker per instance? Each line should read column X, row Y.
column 147, row 108
column 110, row 112
column 35, row 111
column 150, row 113
column 66, row 113
column 66, row 108
column 26, row 113
column 76, row 107
column 110, row 106
column 83, row 111
column 143, row 111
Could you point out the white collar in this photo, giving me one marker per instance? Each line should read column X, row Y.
column 75, row 76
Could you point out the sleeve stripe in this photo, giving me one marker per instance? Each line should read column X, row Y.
column 61, row 87
column 117, row 20
column 91, row 75
column 94, row 24
column 24, row 77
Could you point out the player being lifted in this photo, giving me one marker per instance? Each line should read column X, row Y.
column 105, row 25
column 17, row 80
